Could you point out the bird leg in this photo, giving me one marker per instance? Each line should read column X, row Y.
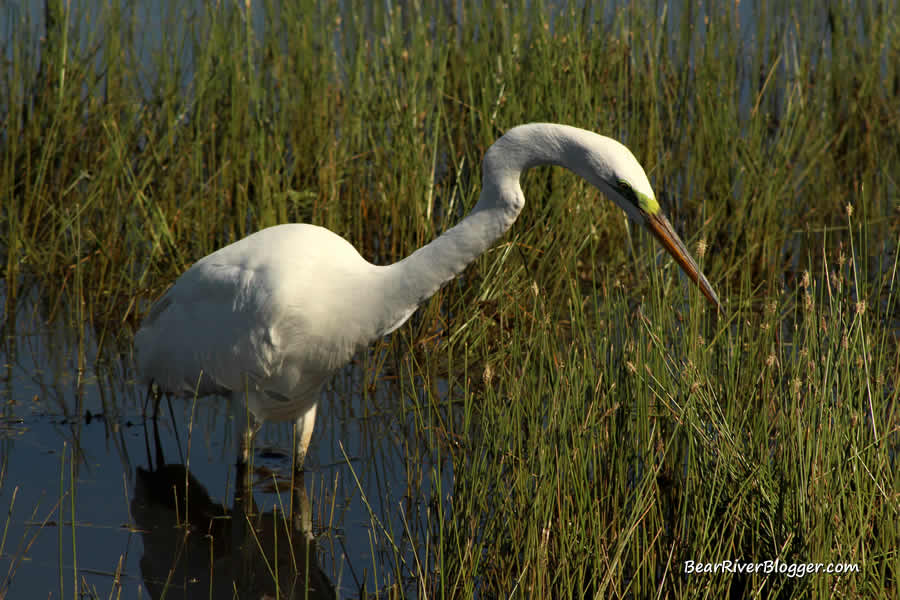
column 303, row 429
column 301, row 510
column 248, row 428
column 152, row 392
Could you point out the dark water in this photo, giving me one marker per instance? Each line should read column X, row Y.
column 85, row 476
column 125, row 532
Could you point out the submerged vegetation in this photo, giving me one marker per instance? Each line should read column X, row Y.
column 602, row 427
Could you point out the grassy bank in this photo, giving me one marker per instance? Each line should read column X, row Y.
column 602, row 427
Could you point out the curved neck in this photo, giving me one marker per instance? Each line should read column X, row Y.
column 411, row 281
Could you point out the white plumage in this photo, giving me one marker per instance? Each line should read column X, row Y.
column 274, row 315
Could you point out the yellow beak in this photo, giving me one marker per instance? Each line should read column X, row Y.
column 660, row 227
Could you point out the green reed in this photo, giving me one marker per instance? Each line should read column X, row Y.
column 602, row 426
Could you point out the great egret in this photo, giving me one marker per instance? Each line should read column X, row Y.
column 274, row 315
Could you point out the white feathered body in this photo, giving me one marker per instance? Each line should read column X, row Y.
column 273, row 315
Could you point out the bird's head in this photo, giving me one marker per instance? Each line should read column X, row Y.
column 624, row 181
column 602, row 161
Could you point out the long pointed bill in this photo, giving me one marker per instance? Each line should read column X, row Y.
column 662, row 230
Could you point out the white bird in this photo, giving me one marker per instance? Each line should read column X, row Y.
column 273, row 316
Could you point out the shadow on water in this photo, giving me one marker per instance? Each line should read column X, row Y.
column 95, row 489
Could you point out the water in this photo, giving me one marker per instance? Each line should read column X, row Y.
column 67, row 419
column 115, row 529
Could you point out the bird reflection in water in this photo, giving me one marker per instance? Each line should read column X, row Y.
column 195, row 547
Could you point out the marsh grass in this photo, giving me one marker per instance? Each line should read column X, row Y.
column 601, row 425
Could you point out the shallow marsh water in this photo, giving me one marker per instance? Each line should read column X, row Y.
column 610, row 432
column 361, row 458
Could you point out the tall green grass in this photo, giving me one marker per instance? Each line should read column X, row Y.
column 603, row 428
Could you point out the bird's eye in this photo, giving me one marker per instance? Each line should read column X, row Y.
column 626, row 191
